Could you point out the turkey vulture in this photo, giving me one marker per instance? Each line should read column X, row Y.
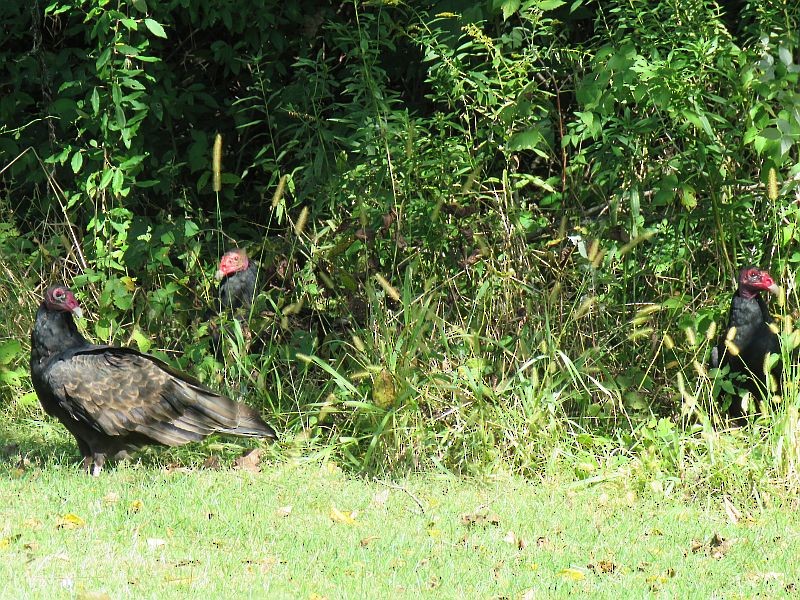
column 749, row 338
column 114, row 400
column 237, row 275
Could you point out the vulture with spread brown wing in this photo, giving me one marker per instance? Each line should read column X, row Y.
column 114, row 400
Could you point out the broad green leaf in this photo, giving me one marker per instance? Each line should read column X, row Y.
column 142, row 342
column 525, row 140
column 155, row 28
column 550, row 4
column 95, row 100
column 8, row 350
column 77, row 161
column 509, row 7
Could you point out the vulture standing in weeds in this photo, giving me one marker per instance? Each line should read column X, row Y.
column 115, row 400
column 748, row 340
column 237, row 275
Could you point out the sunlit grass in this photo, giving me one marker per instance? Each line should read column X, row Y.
column 310, row 531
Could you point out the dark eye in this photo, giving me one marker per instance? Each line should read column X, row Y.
column 59, row 294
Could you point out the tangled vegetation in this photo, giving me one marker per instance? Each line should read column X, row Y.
column 497, row 235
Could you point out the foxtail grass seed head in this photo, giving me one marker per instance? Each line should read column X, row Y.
column 699, row 368
column 598, row 258
column 594, row 247
column 585, row 307
column 772, row 184
column 635, row 242
column 648, row 310
column 216, row 162
column 276, row 197
column 781, row 296
column 387, row 287
column 691, row 337
column 731, row 334
column 301, row 222
column 640, row 333
column 689, row 400
column 555, row 292
column 732, row 348
column 794, row 339
column 669, row 343
column 788, row 324
column 543, row 347
column 359, row 344
column 774, row 328
column 326, row 279
column 711, row 332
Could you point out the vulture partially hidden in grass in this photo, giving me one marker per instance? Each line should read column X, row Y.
column 749, row 339
column 115, row 400
column 237, row 275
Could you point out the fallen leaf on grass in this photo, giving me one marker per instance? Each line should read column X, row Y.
column 212, row 463
column 69, row 521
column 717, row 546
column 136, row 506
column 481, row 516
column 572, row 574
column 345, row 517
column 734, row 514
column 283, row 511
column 111, row 498
column 381, row 497
column 368, row 540
column 8, row 540
column 93, row 596
column 249, row 461
column 602, row 566
column 511, row 538
column 528, row 595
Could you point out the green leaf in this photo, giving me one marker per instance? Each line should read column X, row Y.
column 141, row 340
column 155, row 28
column 509, row 7
column 525, row 140
column 105, row 179
column 77, row 161
column 550, row 4
column 8, row 350
column 95, row 100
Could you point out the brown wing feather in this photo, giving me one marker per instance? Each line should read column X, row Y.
column 118, row 391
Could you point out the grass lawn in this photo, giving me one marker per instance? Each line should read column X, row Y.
column 311, row 531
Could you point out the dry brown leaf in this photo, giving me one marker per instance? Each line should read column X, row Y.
column 249, row 461
column 368, row 540
column 481, row 516
column 718, row 546
column 212, row 463
column 602, row 567
column 283, row 511
column 528, row 595
column 734, row 514
column 511, row 538
column 111, row 498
